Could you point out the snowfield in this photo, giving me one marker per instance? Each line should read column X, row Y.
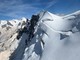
column 55, row 38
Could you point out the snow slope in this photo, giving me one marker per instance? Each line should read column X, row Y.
column 56, row 38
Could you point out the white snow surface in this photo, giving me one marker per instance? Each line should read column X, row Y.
column 61, row 37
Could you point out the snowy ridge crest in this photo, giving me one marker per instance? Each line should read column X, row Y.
column 56, row 38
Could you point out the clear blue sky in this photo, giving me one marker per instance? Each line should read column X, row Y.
column 10, row 9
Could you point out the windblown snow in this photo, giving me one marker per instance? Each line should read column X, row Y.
column 45, row 37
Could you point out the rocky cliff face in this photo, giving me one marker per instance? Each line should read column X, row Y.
column 45, row 37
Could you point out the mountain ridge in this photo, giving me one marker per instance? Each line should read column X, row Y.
column 45, row 35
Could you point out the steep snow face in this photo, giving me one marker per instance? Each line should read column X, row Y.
column 56, row 22
column 56, row 38
column 9, row 30
column 62, row 44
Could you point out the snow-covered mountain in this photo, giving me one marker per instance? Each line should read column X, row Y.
column 9, row 30
column 56, row 38
column 45, row 37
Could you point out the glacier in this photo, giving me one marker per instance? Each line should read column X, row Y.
column 48, row 37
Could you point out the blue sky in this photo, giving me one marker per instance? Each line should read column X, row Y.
column 16, row 9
